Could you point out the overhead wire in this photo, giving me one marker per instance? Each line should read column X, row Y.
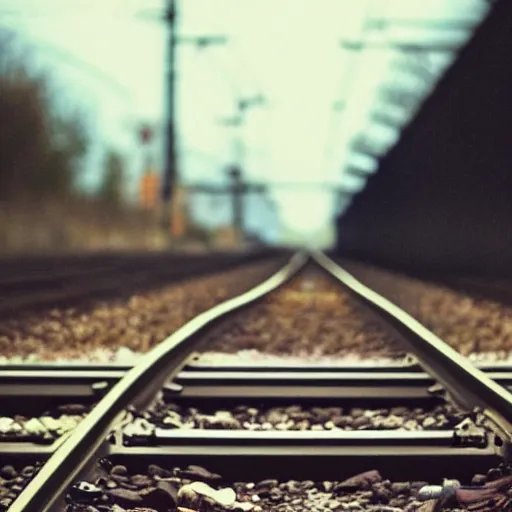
column 73, row 60
column 422, row 61
column 347, row 81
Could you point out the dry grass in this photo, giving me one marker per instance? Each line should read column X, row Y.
column 75, row 224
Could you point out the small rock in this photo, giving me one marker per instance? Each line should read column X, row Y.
column 140, row 427
column 199, row 473
column 429, row 492
column 293, row 487
column 8, row 472
column 154, row 470
column 266, row 484
column 401, row 411
column 428, row 422
column 494, row 474
column 416, row 485
column 125, row 497
column 5, row 503
column 161, row 497
column 187, row 496
column 411, row 425
column 245, row 506
column 8, row 425
column 321, row 414
column 85, row 491
column 169, row 422
column 225, row 497
column 360, row 482
column 34, row 426
column 274, row 416
column 478, row 480
column 359, row 422
column 126, row 484
column 328, row 486
column 170, row 489
column 73, row 409
column 380, row 494
column 392, row 422
column 308, row 484
column 141, row 480
column 51, row 424
column 450, row 482
column 401, row 487
column 28, row 471
column 119, row 470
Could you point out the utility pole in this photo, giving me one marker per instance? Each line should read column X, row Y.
column 238, row 191
column 169, row 177
column 238, row 188
column 171, row 157
column 235, row 171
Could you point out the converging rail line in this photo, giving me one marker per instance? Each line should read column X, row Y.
column 31, row 282
column 414, row 422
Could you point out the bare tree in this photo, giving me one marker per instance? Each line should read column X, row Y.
column 112, row 187
column 40, row 150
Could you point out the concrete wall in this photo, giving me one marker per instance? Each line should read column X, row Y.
column 442, row 197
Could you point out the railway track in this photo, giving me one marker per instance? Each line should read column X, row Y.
column 296, row 434
column 31, row 282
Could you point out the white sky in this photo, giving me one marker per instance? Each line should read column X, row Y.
column 286, row 49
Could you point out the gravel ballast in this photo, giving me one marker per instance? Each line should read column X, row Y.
column 195, row 488
column 12, row 482
column 297, row 417
column 311, row 318
column 476, row 327
column 44, row 428
column 119, row 330
column 260, row 358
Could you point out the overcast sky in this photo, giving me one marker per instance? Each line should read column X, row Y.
column 287, row 50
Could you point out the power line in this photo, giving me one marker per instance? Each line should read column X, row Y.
column 349, row 76
column 87, row 67
column 418, row 47
column 92, row 70
column 461, row 24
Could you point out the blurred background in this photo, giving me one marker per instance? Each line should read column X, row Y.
column 213, row 124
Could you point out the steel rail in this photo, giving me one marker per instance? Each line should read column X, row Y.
column 137, row 386
column 314, row 461
column 60, row 280
column 311, row 392
column 166, row 361
column 500, row 369
column 467, row 385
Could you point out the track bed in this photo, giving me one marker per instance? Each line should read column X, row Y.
column 365, row 438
